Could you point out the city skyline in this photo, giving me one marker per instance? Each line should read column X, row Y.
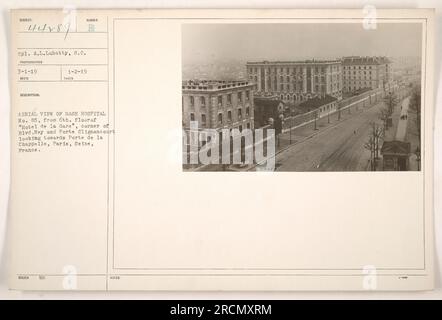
column 211, row 43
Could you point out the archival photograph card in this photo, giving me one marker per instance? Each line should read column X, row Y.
column 228, row 150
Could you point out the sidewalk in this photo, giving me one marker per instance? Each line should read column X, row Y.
column 405, row 130
column 403, row 121
column 390, row 134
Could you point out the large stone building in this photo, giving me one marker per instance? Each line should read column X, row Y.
column 297, row 81
column 365, row 72
column 218, row 104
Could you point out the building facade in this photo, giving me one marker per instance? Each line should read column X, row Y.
column 365, row 72
column 297, row 81
column 218, row 104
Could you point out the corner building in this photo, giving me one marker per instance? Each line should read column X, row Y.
column 218, row 104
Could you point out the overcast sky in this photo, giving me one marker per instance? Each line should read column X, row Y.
column 205, row 43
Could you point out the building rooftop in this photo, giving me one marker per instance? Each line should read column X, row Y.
column 309, row 61
column 266, row 102
column 359, row 60
column 213, row 85
column 395, row 147
column 316, row 102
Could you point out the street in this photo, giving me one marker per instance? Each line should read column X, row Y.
column 338, row 146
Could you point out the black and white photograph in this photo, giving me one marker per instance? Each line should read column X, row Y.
column 302, row 96
column 122, row 123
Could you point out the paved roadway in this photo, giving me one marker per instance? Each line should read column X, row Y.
column 338, row 146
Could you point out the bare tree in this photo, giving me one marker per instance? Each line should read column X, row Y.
column 373, row 144
column 377, row 134
column 370, row 145
column 391, row 101
column 384, row 115
column 415, row 105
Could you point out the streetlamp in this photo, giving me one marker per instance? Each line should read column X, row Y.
column 279, row 126
column 316, row 116
column 291, row 124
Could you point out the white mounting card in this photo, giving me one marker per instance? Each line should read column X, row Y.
column 221, row 149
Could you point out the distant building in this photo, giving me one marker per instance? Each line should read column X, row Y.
column 365, row 72
column 218, row 104
column 265, row 108
column 297, row 81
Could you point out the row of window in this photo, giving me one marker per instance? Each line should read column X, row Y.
column 202, row 99
column 354, row 88
column 299, row 83
column 359, row 71
column 288, row 79
column 349, row 74
column 229, row 115
column 322, row 69
column 333, row 78
column 220, row 116
column 295, row 76
column 288, row 70
column 359, row 67
column 299, row 87
column 317, row 87
column 359, row 78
